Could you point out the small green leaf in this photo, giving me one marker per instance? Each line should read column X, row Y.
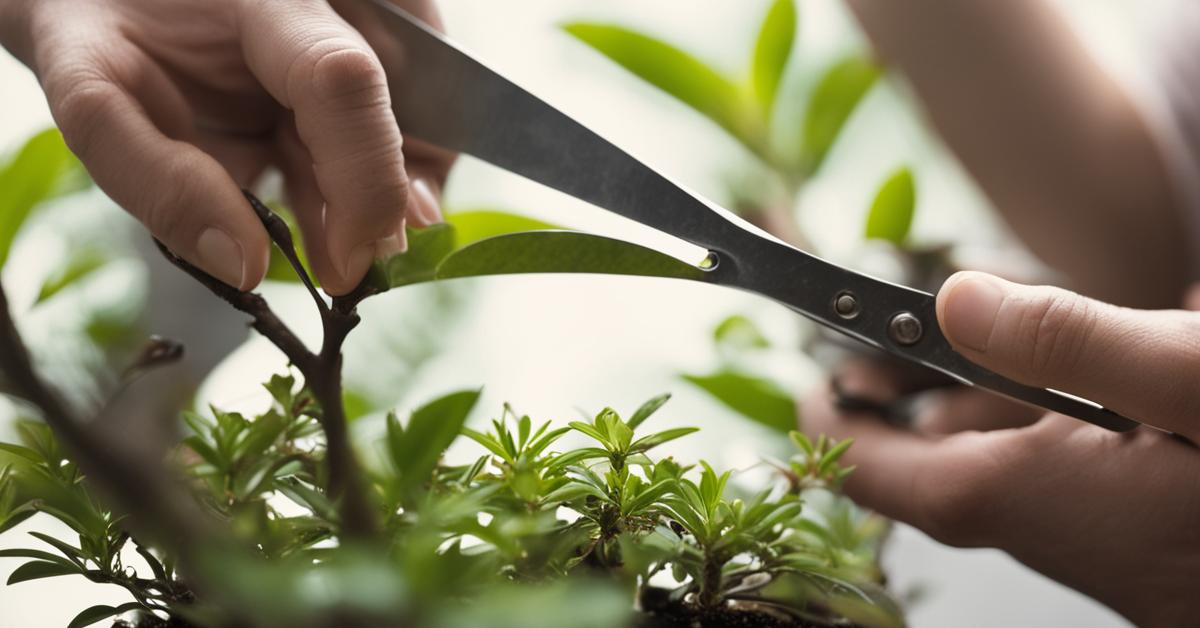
column 35, row 174
column 654, row 440
column 278, row 267
column 647, row 409
column 739, row 333
column 79, row 265
column 771, row 52
column 892, row 210
column 100, row 613
column 475, row 225
column 833, row 455
column 753, row 397
column 562, row 252
column 429, row 432
column 39, row 569
column 591, row 431
column 834, row 98
column 679, row 74
column 490, row 443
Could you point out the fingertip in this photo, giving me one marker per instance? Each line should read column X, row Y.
column 967, row 307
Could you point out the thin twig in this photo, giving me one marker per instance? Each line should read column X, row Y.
column 322, row 371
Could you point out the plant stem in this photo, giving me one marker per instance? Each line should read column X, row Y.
column 322, row 371
column 710, row 585
column 147, row 493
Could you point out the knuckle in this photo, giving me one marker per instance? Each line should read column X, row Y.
column 1054, row 332
column 78, row 103
column 165, row 208
column 339, row 72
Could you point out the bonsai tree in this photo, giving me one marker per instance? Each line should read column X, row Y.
column 282, row 518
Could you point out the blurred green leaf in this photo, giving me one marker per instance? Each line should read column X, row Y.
column 739, row 333
column 80, row 264
column 679, row 74
column 475, row 225
column 892, row 210
column 755, row 398
column 357, row 404
column 100, row 613
column 41, row 170
column 834, row 98
column 771, row 52
column 417, row 448
column 562, row 252
column 39, row 569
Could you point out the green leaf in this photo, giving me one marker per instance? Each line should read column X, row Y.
column 591, row 431
column 738, row 332
column 426, row 249
column 771, row 52
column 647, row 409
column 489, row 442
column 892, row 210
column 80, row 264
column 36, row 174
column 679, row 74
column 654, row 440
column 38, row 554
column 39, row 569
column 834, row 98
column 23, row 452
column 562, row 252
column 475, row 225
column 833, row 455
column 100, row 613
column 430, row 431
column 755, row 398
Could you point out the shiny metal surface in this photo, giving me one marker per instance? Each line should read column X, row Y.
column 443, row 96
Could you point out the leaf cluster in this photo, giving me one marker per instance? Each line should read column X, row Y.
column 606, row 515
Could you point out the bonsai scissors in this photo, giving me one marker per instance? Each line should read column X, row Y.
column 451, row 100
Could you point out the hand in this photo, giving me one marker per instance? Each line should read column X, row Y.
column 172, row 105
column 1116, row 516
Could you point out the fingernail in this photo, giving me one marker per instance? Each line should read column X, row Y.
column 221, row 257
column 971, row 305
column 359, row 261
column 424, row 203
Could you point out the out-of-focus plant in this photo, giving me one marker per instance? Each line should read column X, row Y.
column 596, row 519
column 748, row 107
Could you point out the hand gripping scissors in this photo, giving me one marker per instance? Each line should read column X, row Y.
column 447, row 98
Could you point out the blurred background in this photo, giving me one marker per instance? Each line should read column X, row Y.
column 559, row 346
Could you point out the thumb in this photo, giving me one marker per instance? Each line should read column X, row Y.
column 1136, row 362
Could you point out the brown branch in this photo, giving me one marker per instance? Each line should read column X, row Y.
column 149, row 495
column 322, row 371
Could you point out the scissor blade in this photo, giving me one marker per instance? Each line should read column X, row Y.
column 445, row 97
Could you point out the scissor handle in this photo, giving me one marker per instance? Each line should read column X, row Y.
column 899, row 320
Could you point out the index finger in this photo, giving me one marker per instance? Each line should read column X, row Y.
column 316, row 64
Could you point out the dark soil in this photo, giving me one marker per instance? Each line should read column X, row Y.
column 660, row 612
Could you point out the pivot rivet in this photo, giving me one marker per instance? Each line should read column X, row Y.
column 845, row 305
column 905, row 329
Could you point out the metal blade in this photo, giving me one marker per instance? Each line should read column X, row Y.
column 447, row 98
column 444, row 96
